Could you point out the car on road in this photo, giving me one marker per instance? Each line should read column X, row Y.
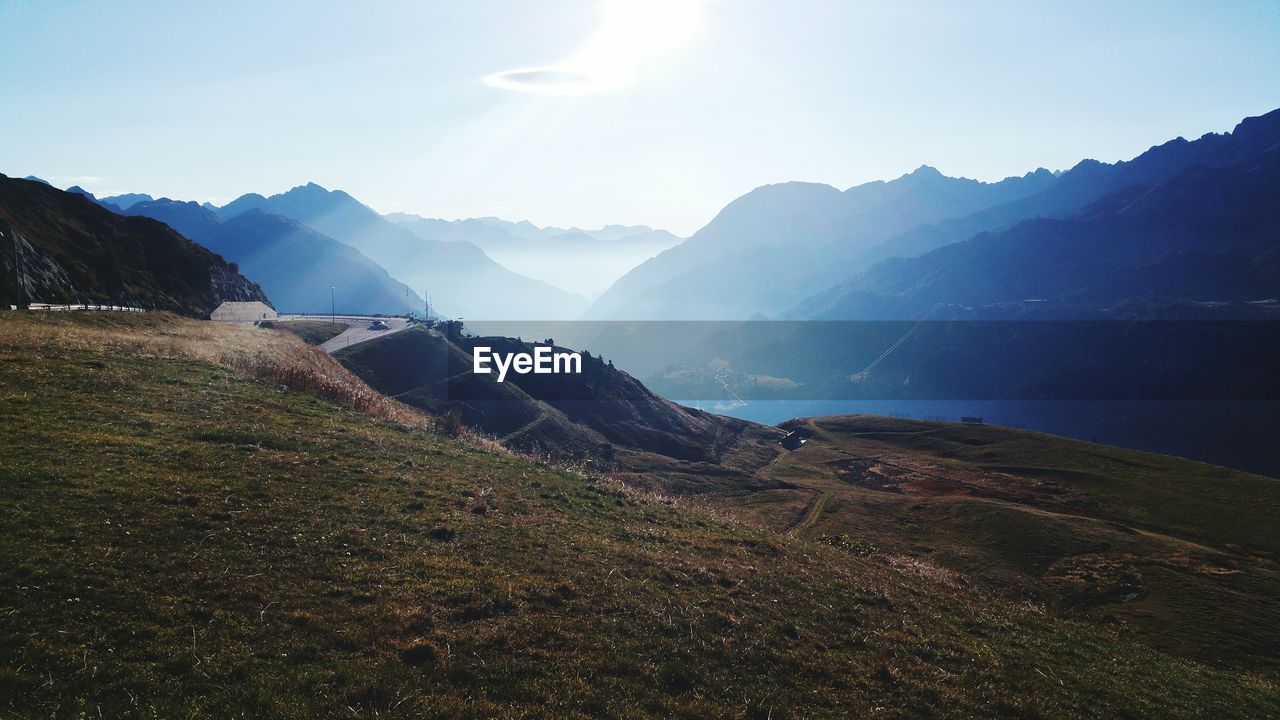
column 379, row 325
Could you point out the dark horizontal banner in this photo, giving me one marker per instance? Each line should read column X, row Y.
column 875, row 361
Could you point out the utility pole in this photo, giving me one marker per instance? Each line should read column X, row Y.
column 333, row 307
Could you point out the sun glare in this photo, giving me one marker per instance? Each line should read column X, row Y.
column 631, row 32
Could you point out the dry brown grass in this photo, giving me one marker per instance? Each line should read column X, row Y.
column 278, row 359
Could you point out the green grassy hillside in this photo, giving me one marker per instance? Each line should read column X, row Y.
column 213, row 521
column 1179, row 554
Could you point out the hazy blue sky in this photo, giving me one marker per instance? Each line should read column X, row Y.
column 685, row 105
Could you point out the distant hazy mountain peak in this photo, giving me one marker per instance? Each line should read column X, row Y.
column 240, row 204
column 124, row 201
column 252, row 213
column 794, row 186
column 315, row 190
column 495, row 220
column 1087, row 165
column 402, row 218
column 925, row 171
column 156, row 202
column 780, row 196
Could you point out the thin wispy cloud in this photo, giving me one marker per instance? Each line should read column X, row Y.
column 75, row 179
column 554, row 80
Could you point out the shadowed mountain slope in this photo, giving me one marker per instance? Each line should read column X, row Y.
column 602, row 415
column 74, row 250
column 461, row 279
column 1204, row 234
column 1090, row 181
column 295, row 264
column 772, row 246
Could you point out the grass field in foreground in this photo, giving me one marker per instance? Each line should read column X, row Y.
column 178, row 539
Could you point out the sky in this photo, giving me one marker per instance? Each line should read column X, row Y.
column 587, row 112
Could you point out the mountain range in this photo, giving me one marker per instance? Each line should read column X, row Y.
column 528, row 230
column 586, row 262
column 460, row 278
column 72, row 250
column 127, row 200
column 1184, row 222
column 774, row 246
column 295, row 264
column 771, row 249
column 299, row 242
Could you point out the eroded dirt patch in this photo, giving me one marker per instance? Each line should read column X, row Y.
column 909, row 477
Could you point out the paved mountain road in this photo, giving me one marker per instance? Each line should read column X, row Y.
column 359, row 329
